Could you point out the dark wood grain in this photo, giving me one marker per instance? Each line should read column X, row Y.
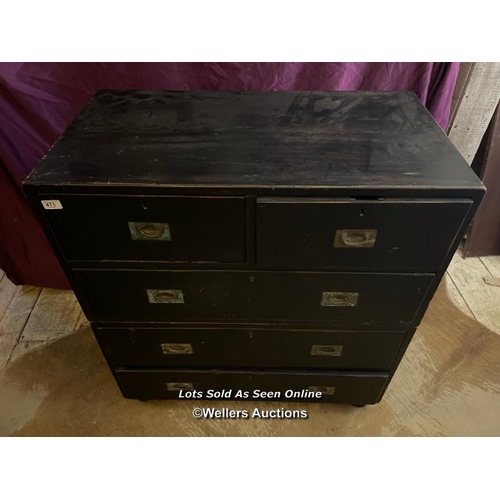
column 233, row 347
column 350, row 387
column 299, row 233
column 254, row 186
column 252, row 296
column 202, row 229
column 250, row 139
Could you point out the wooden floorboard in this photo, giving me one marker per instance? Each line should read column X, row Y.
column 493, row 265
column 56, row 314
column 456, row 296
column 82, row 322
column 483, row 299
column 7, row 292
column 23, row 348
column 15, row 318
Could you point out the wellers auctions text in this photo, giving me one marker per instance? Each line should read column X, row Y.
column 255, row 394
column 227, row 413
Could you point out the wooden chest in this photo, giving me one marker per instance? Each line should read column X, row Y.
column 255, row 241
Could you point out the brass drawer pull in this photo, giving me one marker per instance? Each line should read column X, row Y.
column 325, row 390
column 338, row 299
column 355, row 238
column 326, row 350
column 165, row 296
column 177, row 348
column 156, row 231
column 179, row 386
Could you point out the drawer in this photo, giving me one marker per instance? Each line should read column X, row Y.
column 308, row 233
column 139, row 295
column 234, row 347
column 149, row 228
column 337, row 387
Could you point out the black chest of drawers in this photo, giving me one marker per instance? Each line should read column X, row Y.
column 266, row 241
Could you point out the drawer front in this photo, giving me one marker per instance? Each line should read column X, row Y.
column 251, row 296
column 149, row 228
column 233, row 347
column 353, row 234
column 336, row 387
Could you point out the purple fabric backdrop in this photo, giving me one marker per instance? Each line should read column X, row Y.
column 39, row 100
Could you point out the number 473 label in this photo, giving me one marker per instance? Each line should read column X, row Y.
column 52, row 204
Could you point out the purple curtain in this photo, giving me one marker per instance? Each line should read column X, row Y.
column 39, row 100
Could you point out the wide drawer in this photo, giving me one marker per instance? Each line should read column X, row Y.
column 149, row 228
column 308, row 233
column 236, row 347
column 116, row 295
column 336, row 387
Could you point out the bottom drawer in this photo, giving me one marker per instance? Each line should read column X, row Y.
column 336, row 387
column 172, row 347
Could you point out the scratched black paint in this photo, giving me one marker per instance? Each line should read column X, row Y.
column 254, row 187
column 308, row 139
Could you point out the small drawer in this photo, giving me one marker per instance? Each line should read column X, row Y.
column 308, row 233
column 232, row 296
column 233, row 347
column 336, row 387
column 149, row 228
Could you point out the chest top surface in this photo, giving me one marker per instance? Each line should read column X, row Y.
column 255, row 139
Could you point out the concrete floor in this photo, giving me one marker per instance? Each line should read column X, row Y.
column 448, row 383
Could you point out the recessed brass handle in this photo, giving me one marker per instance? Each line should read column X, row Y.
column 155, row 231
column 355, row 238
column 326, row 350
column 339, row 299
column 325, row 390
column 151, row 230
column 351, row 238
column 165, row 296
column 179, row 386
column 177, row 348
